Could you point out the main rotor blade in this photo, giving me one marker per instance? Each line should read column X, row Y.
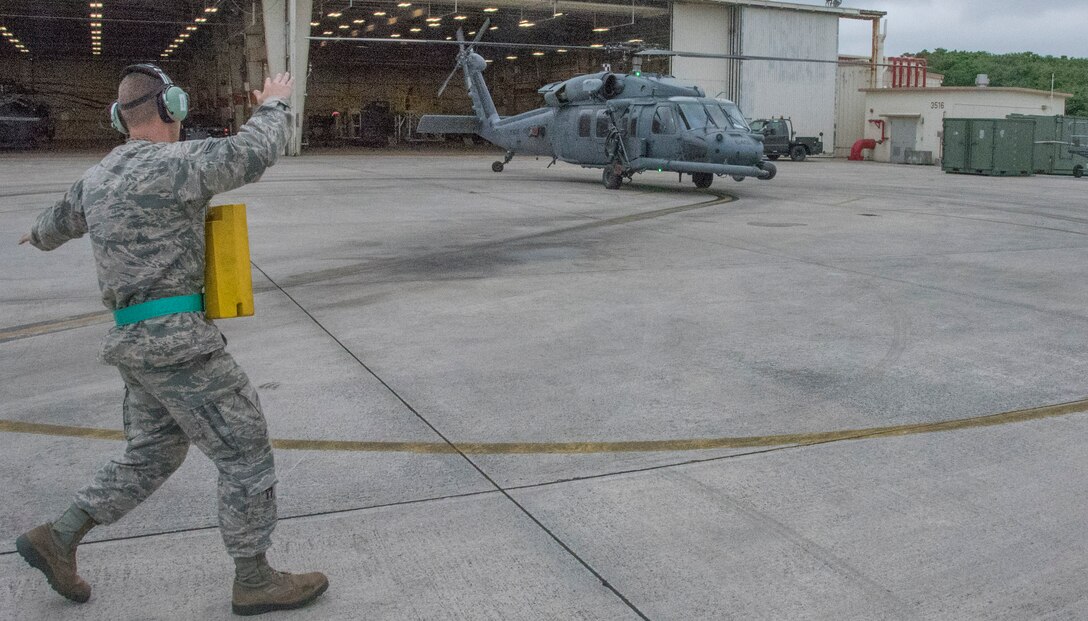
column 481, row 31
column 648, row 53
column 534, row 46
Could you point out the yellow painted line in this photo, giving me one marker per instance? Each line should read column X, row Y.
column 59, row 325
column 535, row 448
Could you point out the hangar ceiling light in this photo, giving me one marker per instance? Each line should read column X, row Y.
column 96, row 13
column 199, row 20
column 12, row 39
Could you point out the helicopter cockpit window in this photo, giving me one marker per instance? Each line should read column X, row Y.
column 664, row 121
column 717, row 115
column 734, row 117
column 694, row 115
column 583, row 125
column 602, row 124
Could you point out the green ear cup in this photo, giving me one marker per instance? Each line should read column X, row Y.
column 176, row 102
column 116, row 120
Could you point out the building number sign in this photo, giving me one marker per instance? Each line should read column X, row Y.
column 936, row 105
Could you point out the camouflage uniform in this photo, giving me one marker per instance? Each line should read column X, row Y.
column 144, row 207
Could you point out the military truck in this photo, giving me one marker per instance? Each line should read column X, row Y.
column 779, row 140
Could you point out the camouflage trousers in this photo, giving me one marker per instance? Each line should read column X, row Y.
column 208, row 402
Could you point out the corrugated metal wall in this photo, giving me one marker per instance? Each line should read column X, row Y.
column 850, row 112
column 805, row 92
column 710, row 29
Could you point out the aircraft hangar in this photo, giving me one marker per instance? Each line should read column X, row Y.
column 69, row 54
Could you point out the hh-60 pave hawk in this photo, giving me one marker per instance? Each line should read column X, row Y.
column 622, row 123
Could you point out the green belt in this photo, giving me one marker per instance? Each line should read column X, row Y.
column 158, row 308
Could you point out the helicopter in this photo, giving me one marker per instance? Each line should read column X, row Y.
column 624, row 124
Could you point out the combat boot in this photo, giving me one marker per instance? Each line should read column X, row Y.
column 43, row 550
column 266, row 589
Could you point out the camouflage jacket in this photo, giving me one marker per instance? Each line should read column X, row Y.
column 144, row 206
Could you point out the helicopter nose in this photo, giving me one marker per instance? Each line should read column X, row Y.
column 723, row 147
column 717, row 150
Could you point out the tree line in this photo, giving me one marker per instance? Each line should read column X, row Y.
column 1023, row 70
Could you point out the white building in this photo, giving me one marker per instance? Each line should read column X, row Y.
column 902, row 119
column 854, row 75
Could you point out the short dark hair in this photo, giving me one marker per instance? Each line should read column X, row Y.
column 134, row 86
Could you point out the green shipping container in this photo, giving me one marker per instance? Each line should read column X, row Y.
column 998, row 147
column 1053, row 137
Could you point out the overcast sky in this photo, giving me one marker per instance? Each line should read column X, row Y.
column 1047, row 27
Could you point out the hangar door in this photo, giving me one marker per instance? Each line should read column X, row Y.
column 803, row 91
column 708, row 29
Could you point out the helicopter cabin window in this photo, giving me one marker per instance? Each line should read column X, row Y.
column 602, row 124
column 695, row 116
column 583, row 124
column 664, row 121
column 633, row 129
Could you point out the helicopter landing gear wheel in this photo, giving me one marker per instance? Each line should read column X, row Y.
column 798, row 153
column 498, row 166
column 738, row 178
column 773, row 157
column 611, row 178
column 769, row 171
column 702, row 180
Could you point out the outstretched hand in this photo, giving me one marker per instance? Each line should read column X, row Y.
column 280, row 86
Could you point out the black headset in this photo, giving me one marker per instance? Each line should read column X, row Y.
column 171, row 100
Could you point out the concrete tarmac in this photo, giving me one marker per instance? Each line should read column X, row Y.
column 523, row 396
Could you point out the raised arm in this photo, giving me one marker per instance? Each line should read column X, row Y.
column 224, row 164
column 61, row 222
